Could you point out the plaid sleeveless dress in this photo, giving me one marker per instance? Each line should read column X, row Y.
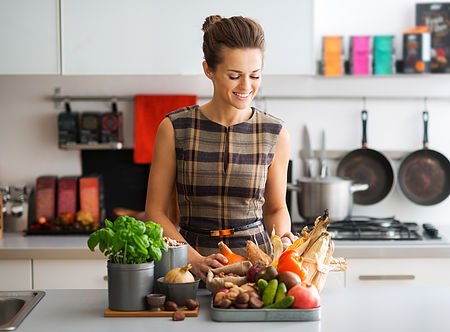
column 221, row 174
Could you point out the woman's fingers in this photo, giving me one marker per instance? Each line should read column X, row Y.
column 221, row 259
column 290, row 236
column 202, row 266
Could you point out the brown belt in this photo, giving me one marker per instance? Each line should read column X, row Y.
column 221, row 232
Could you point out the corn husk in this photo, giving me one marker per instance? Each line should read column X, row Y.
column 321, row 275
column 317, row 249
column 320, row 226
column 314, row 257
column 277, row 245
column 305, row 234
column 338, row 264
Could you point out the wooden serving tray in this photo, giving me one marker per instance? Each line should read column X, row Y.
column 147, row 313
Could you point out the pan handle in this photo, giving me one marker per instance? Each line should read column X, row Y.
column 425, row 129
column 364, row 117
column 293, row 187
column 358, row 187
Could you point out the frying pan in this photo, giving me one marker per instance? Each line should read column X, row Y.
column 367, row 166
column 424, row 175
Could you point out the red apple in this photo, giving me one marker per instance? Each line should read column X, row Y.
column 306, row 296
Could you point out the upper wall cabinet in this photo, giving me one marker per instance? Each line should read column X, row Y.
column 29, row 37
column 154, row 37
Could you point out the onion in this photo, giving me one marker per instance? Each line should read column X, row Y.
column 254, row 270
column 179, row 275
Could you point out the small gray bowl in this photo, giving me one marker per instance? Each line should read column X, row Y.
column 179, row 292
column 155, row 301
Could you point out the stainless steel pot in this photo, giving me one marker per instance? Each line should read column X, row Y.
column 314, row 195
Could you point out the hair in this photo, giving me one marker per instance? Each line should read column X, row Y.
column 234, row 32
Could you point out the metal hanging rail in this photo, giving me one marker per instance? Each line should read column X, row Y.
column 59, row 98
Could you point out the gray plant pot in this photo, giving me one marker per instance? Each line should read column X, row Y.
column 128, row 285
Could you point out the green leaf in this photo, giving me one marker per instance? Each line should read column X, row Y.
column 155, row 253
column 145, row 240
column 109, row 224
column 93, row 241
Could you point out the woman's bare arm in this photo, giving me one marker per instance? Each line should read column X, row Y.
column 276, row 214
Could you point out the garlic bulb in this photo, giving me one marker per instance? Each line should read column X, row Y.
column 179, row 275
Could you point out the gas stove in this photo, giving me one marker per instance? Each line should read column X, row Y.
column 370, row 228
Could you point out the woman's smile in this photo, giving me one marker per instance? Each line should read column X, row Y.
column 243, row 95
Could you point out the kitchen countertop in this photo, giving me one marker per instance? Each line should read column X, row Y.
column 17, row 246
column 369, row 309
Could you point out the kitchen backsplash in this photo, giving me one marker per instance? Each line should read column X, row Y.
column 29, row 137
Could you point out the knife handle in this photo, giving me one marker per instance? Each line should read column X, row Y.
column 323, row 170
column 307, row 167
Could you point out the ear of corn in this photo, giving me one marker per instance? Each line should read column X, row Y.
column 321, row 275
column 316, row 248
column 316, row 254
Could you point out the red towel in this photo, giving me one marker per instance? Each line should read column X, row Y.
column 150, row 110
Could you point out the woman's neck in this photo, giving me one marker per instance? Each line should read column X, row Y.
column 226, row 116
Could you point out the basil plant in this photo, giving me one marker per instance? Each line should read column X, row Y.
column 129, row 241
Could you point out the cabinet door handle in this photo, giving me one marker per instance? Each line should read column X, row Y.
column 105, row 278
column 369, row 277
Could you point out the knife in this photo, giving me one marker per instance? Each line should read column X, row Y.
column 322, row 158
column 306, row 153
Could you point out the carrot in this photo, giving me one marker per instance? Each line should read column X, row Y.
column 229, row 254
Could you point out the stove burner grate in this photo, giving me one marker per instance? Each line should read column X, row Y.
column 370, row 228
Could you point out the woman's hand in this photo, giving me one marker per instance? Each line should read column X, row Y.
column 287, row 239
column 201, row 264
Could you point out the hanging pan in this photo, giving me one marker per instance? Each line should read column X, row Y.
column 367, row 166
column 424, row 175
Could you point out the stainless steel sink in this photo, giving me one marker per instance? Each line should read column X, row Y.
column 15, row 307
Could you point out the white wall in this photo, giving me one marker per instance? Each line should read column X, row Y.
column 28, row 134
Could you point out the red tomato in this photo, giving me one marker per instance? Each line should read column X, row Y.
column 306, row 296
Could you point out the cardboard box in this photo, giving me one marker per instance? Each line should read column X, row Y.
column 112, row 128
column 360, row 55
column 46, row 198
column 383, row 55
column 437, row 17
column 90, row 127
column 67, row 197
column 417, row 50
column 333, row 56
column 91, row 196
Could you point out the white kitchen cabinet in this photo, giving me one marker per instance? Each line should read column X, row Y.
column 15, row 274
column 165, row 37
column 29, row 37
column 335, row 280
column 408, row 272
column 69, row 274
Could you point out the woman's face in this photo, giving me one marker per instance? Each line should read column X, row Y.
column 237, row 79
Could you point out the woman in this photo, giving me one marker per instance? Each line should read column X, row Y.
column 225, row 160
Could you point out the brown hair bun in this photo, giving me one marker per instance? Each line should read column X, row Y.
column 232, row 32
column 210, row 20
